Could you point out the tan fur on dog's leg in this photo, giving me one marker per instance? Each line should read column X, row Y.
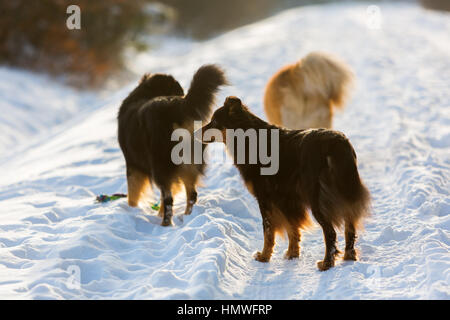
column 137, row 182
column 269, row 242
column 161, row 208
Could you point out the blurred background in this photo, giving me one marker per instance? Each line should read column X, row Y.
column 33, row 34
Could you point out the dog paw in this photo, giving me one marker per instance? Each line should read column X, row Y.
column 260, row 257
column 291, row 255
column 166, row 222
column 325, row 265
column 350, row 255
column 132, row 204
column 189, row 207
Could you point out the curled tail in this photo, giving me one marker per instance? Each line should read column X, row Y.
column 204, row 86
column 326, row 76
column 343, row 196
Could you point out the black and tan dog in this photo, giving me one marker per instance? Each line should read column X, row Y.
column 147, row 118
column 317, row 171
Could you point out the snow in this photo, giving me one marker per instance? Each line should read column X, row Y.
column 58, row 149
column 32, row 105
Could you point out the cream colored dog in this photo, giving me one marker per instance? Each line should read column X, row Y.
column 303, row 95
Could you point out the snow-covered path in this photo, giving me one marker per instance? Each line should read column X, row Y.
column 398, row 121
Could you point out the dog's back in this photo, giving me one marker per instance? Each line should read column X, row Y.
column 149, row 87
column 302, row 95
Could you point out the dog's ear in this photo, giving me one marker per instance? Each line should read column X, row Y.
column 145, row 77
column 233, row 101
column 233, row 104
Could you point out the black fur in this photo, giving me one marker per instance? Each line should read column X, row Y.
column 146, row 120
column 317, row 171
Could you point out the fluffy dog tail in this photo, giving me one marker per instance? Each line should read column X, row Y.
column 343, row 196
column 204, row 86
column 327, row 77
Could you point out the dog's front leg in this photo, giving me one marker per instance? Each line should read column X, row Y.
column 269, row 237
column 167, row 204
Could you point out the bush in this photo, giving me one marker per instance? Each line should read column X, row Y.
column 33, row 34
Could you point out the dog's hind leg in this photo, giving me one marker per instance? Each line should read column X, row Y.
column 350, row 238
column 331, row 250
column 293, row 250
column 167, row 205
column 136, row 181
column 191, row 195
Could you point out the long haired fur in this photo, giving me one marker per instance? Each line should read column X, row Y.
column 304, row 94
column 317, row 172
column 146, row 120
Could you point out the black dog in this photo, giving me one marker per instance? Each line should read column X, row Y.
column 147, row 118
column 317, row 171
